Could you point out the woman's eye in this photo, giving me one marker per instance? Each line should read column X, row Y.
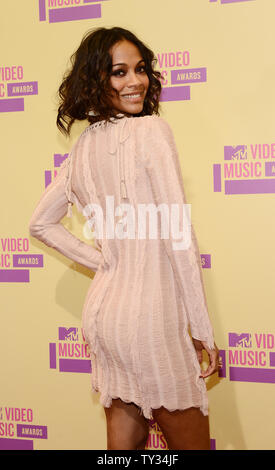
column 141, row 69
column 118, row 73
column 121, row 73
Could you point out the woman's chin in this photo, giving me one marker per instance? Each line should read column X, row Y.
column 131, row 108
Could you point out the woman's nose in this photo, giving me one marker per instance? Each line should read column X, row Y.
column 133, row 79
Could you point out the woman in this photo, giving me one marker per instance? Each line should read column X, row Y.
column 145, row 293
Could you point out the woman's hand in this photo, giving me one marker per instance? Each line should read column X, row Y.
column 213, row 355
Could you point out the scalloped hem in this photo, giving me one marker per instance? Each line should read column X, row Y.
column 145, row 410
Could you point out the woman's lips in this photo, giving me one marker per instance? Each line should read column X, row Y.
column 133, row 97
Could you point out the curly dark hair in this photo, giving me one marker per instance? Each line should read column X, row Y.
column 86, row 86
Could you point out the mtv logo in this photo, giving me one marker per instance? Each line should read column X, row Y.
column 58, row 158
column 67, row 334
column 154, row 425
column 239, row 152
column 242, row 340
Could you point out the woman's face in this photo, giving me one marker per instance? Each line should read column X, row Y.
column 128, row 78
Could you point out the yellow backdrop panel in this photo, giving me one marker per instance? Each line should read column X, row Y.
column 217, row 59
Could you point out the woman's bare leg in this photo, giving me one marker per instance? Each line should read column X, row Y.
column 126, row 427
column 184, row 429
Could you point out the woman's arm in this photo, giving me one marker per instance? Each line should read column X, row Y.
column 163, row 166
column 45, row 223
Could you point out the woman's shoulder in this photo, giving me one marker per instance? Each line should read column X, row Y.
column 150, row 119
column 154, row 128
column 142, row 121
column 153, row 123
column 149, row 126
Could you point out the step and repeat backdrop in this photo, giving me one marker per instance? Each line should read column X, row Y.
column 218, row 65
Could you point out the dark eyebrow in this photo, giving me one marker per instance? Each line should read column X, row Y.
column 122, row 63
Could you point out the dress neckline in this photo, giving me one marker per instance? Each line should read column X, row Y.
column 100, row 123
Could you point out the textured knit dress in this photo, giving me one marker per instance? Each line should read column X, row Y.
column 145, row 294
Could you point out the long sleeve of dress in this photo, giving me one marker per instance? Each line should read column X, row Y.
column 166, row 180
column 46, row 226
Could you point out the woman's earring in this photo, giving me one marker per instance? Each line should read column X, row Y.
column 92, row 113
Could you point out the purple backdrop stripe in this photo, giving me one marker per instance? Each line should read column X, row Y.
column 14, row 275
column 10, row 105
column 206, row 261
column 222, row 371
column 272, row 359
column 42, row 10
column 246, row 374
column 269, row 168
column 175, row 93
column 30, row 431
column 48, row 177
column 75, row 365
column 235, row 1
column 52, row 356
column 14, row 91
column 175, row 76
column 257, row 186
column 217, row 178
column 84, row 12
column 16, row 259
column 212, row 444
column 15, row 444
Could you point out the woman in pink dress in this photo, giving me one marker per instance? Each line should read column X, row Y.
column 148, row 291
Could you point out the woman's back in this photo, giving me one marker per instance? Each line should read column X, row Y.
column 137, row 310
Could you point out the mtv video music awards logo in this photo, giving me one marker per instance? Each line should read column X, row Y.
column 70, row 353
column 177, row 75
column 57, row 11
column 156, row 439
column 17, row 429
column 247, row 169
column 57, row 161
column 13, row 88
column 251, row 357
column 223, row 2
column 14, row 259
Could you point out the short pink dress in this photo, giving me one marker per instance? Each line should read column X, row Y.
column 146, row 295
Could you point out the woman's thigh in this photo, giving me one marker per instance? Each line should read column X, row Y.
column 126, row 427
column 184, row 429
